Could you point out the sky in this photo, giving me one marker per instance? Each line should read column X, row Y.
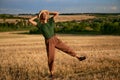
column 62, row 6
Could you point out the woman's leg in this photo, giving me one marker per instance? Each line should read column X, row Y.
column 50, row 47
column 63, row 47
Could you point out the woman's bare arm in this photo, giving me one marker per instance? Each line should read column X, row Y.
column 55, row 14
column 31, row 20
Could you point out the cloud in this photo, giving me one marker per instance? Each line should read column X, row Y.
column 107, row 9
column 114, row 8
column 15, row 11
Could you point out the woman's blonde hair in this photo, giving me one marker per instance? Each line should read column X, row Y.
column 42, row 12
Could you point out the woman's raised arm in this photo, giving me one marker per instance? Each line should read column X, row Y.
column 31, row 20
column 55, row 14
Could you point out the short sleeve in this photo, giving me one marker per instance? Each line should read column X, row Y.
column 38, row 23
column 51, row 20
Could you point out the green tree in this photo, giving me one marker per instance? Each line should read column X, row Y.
column 96, row 26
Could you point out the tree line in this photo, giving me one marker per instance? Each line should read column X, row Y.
column 98, row 25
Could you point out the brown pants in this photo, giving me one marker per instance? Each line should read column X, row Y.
column 53, row 43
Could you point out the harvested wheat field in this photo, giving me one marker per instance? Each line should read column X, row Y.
column 60, row 18
column 23, row 57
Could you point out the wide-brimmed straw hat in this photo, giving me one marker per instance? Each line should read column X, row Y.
column 42, row 12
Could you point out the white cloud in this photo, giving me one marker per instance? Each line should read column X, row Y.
column 15, row 11
column 114, row 8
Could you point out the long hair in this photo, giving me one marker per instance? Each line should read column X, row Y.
column 40, row 14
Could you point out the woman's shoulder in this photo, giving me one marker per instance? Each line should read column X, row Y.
column 51, row 19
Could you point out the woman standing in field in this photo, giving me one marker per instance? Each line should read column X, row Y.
column 46, row 25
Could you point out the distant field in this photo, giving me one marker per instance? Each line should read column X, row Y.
column 23, row 57
column 60, row 18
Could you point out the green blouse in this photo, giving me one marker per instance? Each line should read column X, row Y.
column 47, row 29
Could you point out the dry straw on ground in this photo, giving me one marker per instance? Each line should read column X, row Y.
column 23, row 57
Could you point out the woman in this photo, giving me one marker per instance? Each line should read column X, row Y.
column 46, row 25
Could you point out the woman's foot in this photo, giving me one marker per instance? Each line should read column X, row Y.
column 52, row 77
column 51, row 74
column 81, row 58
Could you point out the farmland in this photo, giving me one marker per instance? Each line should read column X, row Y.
column 82, row 23
column 60, row 18
column 23, row 57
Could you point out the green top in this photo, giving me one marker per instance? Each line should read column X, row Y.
column 47, row 29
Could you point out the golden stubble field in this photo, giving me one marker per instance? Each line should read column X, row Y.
column 23, row 57
column 60, row 18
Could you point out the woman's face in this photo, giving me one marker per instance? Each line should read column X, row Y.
column 44, row 16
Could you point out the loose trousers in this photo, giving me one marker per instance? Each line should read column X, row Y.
column 53, row 43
